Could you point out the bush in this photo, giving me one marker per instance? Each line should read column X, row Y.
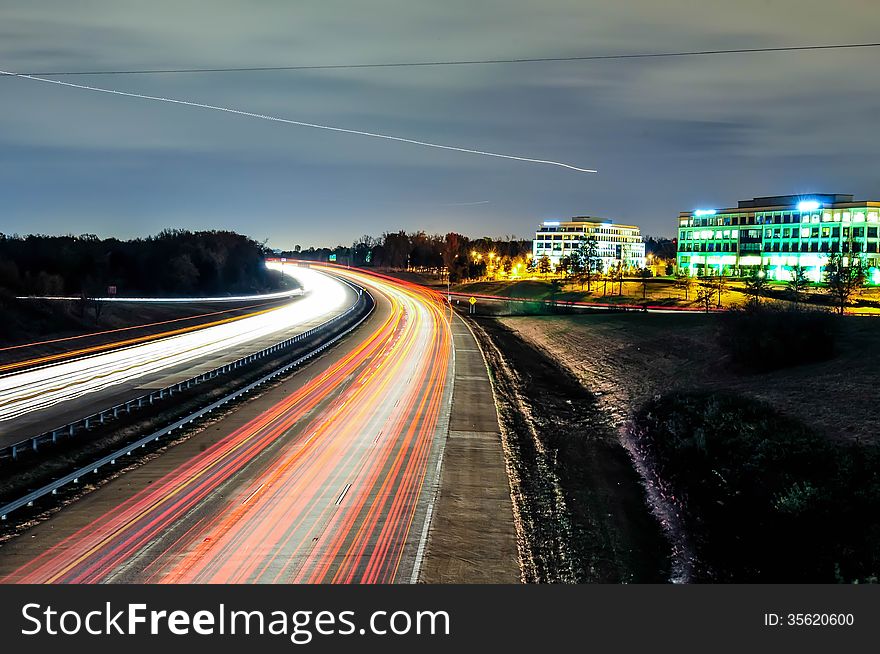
column 764, row 498
column 763, row 337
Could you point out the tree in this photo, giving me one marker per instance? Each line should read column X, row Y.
column 562, row 268
column 844, row 277
column 684, row 283
column 396, row 249
column 588, row 261
column 798, row 284
column 181, row 273
column 544, row 265
column 645, row 274
column 660, row 247
column 625, row 252
column 756, row 285
column 453, row 245
column 362, row 250
column 705, row 295
column 720, row 285
column 576, row 268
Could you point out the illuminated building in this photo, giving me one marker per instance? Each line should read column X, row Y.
column 778, row 233
column 614, row 243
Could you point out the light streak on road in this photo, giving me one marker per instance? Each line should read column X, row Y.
column 349, row 451
column 45, row 386
column 104, row 332
column 102, row 347
column 299, row 123
column 280, row 295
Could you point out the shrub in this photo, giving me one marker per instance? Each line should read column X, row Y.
column 765, row 498
column 761, row 338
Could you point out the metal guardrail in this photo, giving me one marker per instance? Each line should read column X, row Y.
column 70, row 429
column 364, row 299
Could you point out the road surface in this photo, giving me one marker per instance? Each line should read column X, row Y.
column 47, row 396
column 326, row 482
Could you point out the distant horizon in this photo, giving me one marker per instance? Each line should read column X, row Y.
column 501, row 237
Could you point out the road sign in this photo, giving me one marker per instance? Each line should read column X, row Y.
column 473, row 300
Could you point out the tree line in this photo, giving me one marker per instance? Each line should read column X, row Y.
column 462, row 257
column 173, row 262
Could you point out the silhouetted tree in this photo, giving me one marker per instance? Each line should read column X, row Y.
column 844, row 277
column 756, row 286
column 798, row 283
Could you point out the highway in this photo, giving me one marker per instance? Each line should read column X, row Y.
column 47, row 395
column 325, row 479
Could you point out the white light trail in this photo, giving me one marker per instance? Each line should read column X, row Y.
column 38, row 388
column 231, row 298
column 388, row 137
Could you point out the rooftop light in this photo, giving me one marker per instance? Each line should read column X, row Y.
column 551, row 223
column 808, row 205
column 704, row 212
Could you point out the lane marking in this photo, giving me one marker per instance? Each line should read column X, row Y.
column 250, row 497
column 342, row 495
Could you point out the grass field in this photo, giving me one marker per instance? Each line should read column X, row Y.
column 659, row 291
column 627, row 359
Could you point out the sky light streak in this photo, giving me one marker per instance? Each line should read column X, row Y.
column 299, row 123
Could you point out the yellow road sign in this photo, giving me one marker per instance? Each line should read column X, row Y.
column 473, row 300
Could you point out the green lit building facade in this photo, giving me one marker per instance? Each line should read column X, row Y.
column 777, row 233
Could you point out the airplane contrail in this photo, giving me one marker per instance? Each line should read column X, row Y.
column 300, row 123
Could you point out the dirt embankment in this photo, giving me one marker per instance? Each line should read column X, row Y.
column 583, row 514
column 628, row 359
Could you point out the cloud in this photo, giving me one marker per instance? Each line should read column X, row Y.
column 666, row 134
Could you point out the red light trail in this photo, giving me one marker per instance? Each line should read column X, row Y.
column 348, row 454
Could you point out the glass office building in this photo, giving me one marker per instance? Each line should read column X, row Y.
column 777, row 233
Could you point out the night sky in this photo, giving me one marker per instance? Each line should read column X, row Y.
column 665, row 134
